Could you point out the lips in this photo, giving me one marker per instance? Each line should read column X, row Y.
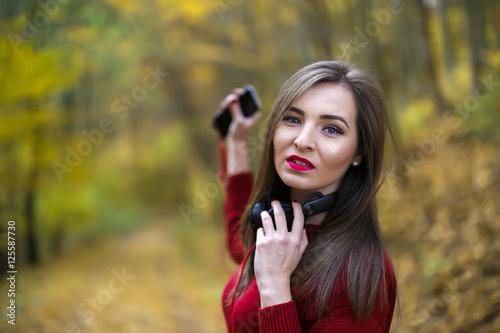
column 298, row 163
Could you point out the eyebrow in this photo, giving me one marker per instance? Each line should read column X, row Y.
column 323, row 116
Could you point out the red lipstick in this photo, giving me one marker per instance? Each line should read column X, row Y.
column 298, row 163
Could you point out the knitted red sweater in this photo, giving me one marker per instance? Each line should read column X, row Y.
column 247, row 315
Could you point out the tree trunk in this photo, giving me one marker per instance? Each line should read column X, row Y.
column 430, row 77
column 31, row 187
column 449, row 59
column 322, row 28
column 475, row 16
column 30, row 216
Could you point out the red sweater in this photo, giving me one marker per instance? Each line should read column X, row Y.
column 247, row 315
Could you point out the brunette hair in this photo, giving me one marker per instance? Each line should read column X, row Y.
column 348, row 245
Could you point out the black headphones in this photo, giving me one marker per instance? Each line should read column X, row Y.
column 317, row 203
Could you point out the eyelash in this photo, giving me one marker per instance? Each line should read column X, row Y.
column 291, row 119
column 335, row 129
column 295, row 120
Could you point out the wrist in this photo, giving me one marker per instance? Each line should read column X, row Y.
column 237, row 157
column 274, row 296
column 232, row 141
column 274, row 291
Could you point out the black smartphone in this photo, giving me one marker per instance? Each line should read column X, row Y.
column 249, row 102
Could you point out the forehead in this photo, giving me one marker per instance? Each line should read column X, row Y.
column 328, row 98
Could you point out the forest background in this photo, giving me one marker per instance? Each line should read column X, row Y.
column 108, row 160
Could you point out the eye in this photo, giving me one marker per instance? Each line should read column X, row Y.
column 332, row 130
column 291, row 120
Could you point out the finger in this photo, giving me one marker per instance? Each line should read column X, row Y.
column 298, row 219
column 279, row 217
column 303, row 243
column 260, row 235
column 253, row 119
column 227, row 100
column 238, row 91
column 235, row 108
column 267, row 223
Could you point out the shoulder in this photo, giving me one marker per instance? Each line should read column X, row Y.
column 238, row 182
column 238, row 189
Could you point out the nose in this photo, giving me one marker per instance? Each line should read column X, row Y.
column 304, row 140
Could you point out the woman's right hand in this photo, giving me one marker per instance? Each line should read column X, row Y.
column 238, row 132
column 240, row 128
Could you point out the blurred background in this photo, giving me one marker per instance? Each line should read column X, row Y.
column 108, row 161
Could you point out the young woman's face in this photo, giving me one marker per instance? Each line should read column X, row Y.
column 316, row 140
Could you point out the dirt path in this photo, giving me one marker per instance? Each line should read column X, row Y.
column 144, row 282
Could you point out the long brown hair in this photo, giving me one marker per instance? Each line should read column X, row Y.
column 348, row 244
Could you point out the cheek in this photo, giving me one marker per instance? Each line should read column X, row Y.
column 276, row 147
column 278, row 141
column 339, row 156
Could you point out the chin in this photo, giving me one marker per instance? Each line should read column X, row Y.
column 301, row 184
column 307, row 186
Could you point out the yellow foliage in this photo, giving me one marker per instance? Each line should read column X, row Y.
column 442, row 224
column 415, row 115
column 441, row 218
column 23, row 77
column 288, row 16
column 191, row 11
column 202, row 73
column 82, row 34
column 129, row 7
column 162, row 291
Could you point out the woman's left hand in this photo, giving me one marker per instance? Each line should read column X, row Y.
column 278, row 253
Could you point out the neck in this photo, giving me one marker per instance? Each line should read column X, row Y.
column 316, row 219
column 302, row 197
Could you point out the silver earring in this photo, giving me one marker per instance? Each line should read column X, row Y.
column 355, row 164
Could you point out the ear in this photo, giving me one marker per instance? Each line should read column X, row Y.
column 359, row 157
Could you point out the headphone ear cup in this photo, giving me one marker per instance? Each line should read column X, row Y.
column 259, row 207
column 288, row 210
column 254, row 215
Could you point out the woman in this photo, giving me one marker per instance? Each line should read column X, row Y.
column 330, row 273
